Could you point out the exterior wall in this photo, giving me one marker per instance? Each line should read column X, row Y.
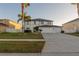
column 30, row 25
column 10, row 30
column 50, row 29
column 71, row 27
column 6, row 29
column 2, row 29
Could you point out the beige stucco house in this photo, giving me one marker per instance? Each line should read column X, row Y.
column 7, row 25
column 71, row 26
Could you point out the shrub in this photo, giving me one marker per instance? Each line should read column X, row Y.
column 62, row 31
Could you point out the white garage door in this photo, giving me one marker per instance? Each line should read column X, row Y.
column 50, row 30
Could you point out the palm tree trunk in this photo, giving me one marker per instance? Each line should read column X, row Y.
column 22, row 7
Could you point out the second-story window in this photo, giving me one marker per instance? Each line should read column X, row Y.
column 42, row 22
column 35, row 22
column 49, row 23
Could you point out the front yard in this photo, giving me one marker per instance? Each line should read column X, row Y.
column 74, row 34
column 21, row 46
column 21, row 42
column 21, row 35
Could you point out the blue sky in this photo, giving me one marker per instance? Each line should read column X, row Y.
column 59, row 13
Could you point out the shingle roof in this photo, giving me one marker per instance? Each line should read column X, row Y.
column 71, row 21
column 49, row 26
column 40, row 19
column 2, row 24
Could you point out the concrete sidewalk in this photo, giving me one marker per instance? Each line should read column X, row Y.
column 21, row 39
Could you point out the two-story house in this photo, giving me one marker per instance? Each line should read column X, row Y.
column 45, row 25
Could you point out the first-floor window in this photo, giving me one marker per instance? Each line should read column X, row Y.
column 27, row 23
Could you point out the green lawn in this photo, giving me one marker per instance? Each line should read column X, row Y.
column 21, row 36
column 21, row 46
column 74, row 34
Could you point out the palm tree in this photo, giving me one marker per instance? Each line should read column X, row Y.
column 23, row 16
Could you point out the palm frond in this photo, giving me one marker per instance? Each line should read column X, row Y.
column 19, row 20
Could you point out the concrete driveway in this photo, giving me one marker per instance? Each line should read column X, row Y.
column 60, row 43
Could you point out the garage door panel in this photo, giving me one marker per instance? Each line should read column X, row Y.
column 50, row 30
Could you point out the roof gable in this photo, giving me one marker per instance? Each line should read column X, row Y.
column 71, row 21
column 2, row 24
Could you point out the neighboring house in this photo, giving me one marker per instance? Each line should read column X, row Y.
column 3, row 27
column 9, row 26
column 72, row 26
column 46, row 26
